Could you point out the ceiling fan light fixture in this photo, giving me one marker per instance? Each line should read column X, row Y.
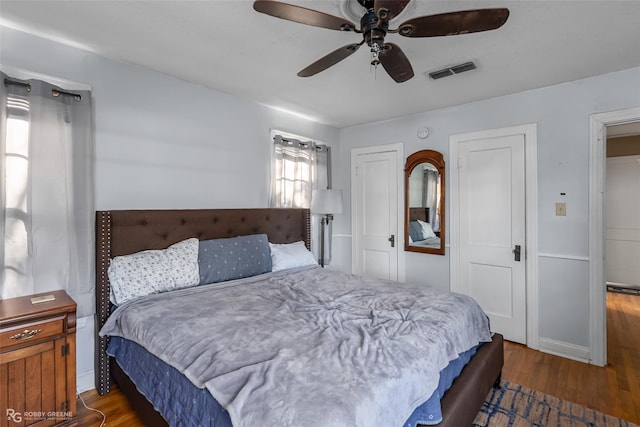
column 375, row 54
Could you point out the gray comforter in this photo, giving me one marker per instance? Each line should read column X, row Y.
column 307, row 346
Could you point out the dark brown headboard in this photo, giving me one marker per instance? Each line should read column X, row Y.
column 421, row 214
column 129, row 231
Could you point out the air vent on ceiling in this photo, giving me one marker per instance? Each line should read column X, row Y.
column 454, row 69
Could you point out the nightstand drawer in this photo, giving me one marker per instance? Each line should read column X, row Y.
column 31, row 333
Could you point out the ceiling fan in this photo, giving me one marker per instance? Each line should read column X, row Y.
column 374, row 26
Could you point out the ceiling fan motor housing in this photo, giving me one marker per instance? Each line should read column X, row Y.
column 373, row 28
column 367, row 4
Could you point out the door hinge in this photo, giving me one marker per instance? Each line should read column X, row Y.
column 65, row 350
column 64, row 407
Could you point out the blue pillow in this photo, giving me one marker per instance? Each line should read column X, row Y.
column 233, row 258
column 416, row 231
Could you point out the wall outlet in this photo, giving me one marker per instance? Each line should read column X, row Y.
column 561, row 209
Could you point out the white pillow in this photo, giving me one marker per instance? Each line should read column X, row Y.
column 150, row 272
column 290, row 255
column 426, row 229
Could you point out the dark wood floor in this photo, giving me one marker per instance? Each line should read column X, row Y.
column 614, row 389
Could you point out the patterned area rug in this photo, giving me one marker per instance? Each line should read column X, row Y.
column 515, row 406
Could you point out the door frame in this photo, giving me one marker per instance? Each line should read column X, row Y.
column 530, row 132
column 398, row 149
column 598, row 174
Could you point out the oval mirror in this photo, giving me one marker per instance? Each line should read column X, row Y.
column 424, row 203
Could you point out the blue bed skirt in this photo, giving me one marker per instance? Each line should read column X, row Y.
column 183, row 404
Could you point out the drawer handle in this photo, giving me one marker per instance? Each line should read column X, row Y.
column 26, row 334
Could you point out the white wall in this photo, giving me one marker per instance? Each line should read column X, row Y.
column 562, row 114
column 162, row 142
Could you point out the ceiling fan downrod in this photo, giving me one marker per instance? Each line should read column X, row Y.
column 374, row 31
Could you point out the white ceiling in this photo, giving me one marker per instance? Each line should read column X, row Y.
column 227, row 46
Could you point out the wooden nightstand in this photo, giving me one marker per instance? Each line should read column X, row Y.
column 38, row 361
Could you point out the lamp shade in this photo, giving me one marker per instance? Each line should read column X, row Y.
column 326, row 201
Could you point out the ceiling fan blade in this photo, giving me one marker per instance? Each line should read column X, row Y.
column 302, row 15
column 449, row 24
column 389, row 9
column 396, row 63
column 329, row 60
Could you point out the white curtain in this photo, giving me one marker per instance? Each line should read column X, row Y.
column 294, row 173
column 47, row 205
column 431, row 197
column 298, row 167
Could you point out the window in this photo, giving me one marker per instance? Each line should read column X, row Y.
column 299, row 166
column 46, row 191
column 16, row 166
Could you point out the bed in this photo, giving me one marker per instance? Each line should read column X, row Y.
column 127, row 232
column 420, row 231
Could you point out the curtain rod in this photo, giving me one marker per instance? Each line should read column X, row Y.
column 8, row 82
column 54, row 92
column 57, row 93
column 319, row 147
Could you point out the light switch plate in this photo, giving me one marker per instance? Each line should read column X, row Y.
column 561, row 209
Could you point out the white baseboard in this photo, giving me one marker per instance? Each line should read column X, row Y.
column 85, row 382
column 563, row 349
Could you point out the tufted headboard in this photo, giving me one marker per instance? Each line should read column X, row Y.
column 419, row 213
column 129, row 231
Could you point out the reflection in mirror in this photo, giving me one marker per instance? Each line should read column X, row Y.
column 424, row 202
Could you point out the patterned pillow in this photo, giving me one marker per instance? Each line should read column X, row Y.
column 233, row 258
column 290, row 255
column 416, row 232
column 150, row 272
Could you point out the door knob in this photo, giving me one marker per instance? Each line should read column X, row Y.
column 392, row 239
column 516, row 253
